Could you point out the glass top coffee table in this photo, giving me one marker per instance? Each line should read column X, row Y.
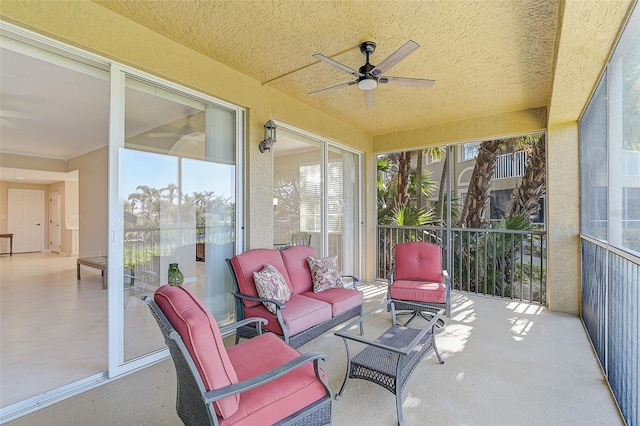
column 390, row 359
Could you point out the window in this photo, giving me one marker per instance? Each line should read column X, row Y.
column 610, row 151
column 470, row 151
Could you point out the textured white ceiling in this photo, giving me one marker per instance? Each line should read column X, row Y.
column 487, row 56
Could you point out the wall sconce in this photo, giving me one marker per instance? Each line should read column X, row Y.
column 275, row 203
column 269, row 136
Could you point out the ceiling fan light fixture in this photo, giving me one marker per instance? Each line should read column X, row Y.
column 368, row 83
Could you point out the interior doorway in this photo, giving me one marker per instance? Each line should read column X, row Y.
column 26, row 219
column 55, row 241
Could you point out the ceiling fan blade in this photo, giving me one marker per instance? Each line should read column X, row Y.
column 337, row 64
column 351, row 83
column 370, row 98
column 405, row 81
column 7, row 123
column 393, row 59
column 17, row 114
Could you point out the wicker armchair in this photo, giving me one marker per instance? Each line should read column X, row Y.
column 418, row 278
column 259, row 381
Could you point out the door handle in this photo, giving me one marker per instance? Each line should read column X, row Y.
column 37, row 224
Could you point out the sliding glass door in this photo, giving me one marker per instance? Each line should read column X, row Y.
column 176, row 193
column 317, row 194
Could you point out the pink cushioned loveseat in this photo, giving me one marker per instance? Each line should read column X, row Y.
column 306, row 315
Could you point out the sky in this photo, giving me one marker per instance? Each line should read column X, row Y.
column 159, row 170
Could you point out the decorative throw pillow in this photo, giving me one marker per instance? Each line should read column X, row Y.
column 270, row 284
column 324, row 273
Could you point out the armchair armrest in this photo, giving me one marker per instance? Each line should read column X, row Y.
column 232, row 327
column 390, row 275
column 355, row 279
column 279, row 305
column 267, row 377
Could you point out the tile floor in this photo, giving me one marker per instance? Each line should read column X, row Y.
column 53, row 328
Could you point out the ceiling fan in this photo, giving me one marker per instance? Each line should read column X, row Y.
column 172, row 131
column 7, row 115
column 369, row 76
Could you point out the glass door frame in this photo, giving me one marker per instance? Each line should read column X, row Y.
column 324, row 162
column 115, row 296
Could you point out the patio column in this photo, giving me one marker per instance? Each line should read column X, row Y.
column 563, row 218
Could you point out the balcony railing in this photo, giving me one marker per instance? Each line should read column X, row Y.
column 511, row 165
column 143, row 247
column 496, row 262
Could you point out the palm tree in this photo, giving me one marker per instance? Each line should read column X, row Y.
column 401, row 198
column 525, row 196
column 478, row 193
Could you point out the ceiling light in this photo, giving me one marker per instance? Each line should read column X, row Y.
column 368, row 83
column 19, row 178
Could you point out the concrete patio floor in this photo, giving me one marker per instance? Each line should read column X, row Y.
column 506, row 363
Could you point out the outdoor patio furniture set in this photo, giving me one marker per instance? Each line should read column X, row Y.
column 264, row 379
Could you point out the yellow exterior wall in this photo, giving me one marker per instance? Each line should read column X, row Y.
column 476, row 129
column 563, row 218
column 91, row 27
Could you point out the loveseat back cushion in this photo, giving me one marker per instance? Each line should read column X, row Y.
column 418, row 261
column 201, row 335
column 245, row 264
column 295, row 260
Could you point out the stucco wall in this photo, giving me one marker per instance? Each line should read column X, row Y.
column 563, row 213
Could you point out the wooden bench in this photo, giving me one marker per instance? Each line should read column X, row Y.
column 97, row 262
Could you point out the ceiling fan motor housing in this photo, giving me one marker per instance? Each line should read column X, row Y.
column 368, row 81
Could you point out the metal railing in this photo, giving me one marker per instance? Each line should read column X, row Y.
column 143, row 247
column 610, row 294
column 496, row 262
column 510, row 165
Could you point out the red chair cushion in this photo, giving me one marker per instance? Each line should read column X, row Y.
column 201, row 335
column 251, row 261
column 295, row 260
column 418, row 261
column 340, row 299
column 271, row 402
column 418, row 291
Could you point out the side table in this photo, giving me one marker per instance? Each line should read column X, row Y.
column 390, row 359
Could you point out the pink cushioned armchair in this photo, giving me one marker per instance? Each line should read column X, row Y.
column 418, row 277
column 260, row 381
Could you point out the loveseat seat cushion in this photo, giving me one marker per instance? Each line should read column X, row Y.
column 295, row 260
column 419, row 291
column 201, row 335
column 340, row 299
column 299, row 314
column 254, row 260
column 278, row 399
